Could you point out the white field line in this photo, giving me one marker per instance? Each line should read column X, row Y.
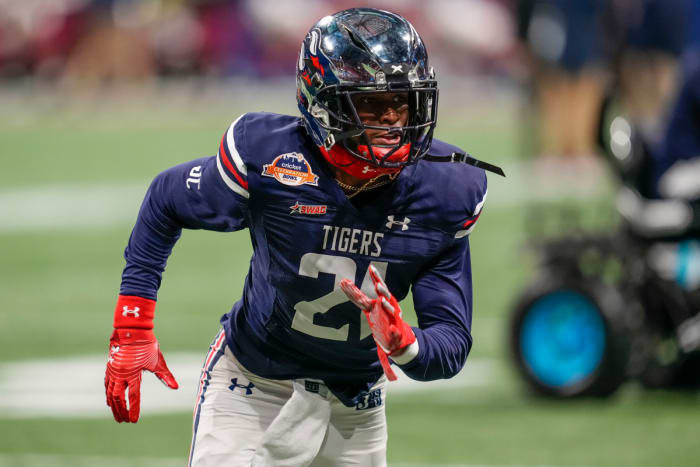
column 404, row 464
column 74, row 206
column 69, row 206
column 63, row 460
column 74, row 387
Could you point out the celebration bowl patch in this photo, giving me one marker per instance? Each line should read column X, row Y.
column 311, row 209
column 291, row 169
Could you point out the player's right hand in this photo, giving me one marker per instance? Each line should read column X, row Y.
column 390, row 332
column 130, row 352
column 383, row 313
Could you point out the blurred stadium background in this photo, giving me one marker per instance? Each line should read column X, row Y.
column 96, row 97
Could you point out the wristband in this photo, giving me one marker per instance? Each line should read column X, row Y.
column 134, row 312
column 408, row 355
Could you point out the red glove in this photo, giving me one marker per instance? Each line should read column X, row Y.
column 131, row 351
column 391, row 333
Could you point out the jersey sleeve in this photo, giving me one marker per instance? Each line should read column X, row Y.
column 442, row 297
column 209, row 193
column 229, row 162
column 467, row 227
column 442, row 293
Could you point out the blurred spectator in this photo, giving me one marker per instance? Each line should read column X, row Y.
column 14, row 56
column 177, row 39
column 93, row 42
column 563, row 43
column 694, row 27
column 677, row 162
column 663, row 201
column 115, row 47
column 647, row 38
column 36, row 36
column 472, row 33
column 229, row 42
column 56, row 36
column 666, row 169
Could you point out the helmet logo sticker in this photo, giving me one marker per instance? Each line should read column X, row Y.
column 291, row 169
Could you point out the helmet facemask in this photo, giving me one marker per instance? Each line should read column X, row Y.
column 337, row 113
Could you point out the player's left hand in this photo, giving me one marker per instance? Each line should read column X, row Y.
column 391, row 333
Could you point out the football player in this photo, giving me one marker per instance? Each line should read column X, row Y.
column 676, row 167
column 664, row 176
column 346, row 208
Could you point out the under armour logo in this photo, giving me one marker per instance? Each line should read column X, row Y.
column 134, row 312
column 396, row 69
column 112, row 350
column 391, row 222
column 248, row 389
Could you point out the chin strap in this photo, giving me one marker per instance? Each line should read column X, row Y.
column 465, row 158
column 339, row 157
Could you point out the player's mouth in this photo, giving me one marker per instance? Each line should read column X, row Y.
column 386, row 138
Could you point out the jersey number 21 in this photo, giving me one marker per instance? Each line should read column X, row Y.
column 340, row 267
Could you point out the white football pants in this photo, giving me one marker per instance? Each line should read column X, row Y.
column 243, row 420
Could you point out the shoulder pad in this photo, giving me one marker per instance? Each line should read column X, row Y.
column 249, row 142
column 231, row 166
column 453, row 195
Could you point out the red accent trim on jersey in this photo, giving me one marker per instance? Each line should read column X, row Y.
column 469, row 222
column 134, row 312
column 229, row 165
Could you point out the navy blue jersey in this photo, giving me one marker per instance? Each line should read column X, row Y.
column 293, row 320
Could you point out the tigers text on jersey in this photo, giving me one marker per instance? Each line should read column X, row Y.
column 293, row 320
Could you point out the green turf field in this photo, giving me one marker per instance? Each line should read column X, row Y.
column 61, row 262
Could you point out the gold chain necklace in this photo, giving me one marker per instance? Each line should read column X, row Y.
column 370, row 185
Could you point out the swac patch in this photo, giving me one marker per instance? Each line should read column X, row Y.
column 311, row 209
column 291, row 169
column 369, row 400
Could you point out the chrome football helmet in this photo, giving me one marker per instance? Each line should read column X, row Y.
column 365, row 51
